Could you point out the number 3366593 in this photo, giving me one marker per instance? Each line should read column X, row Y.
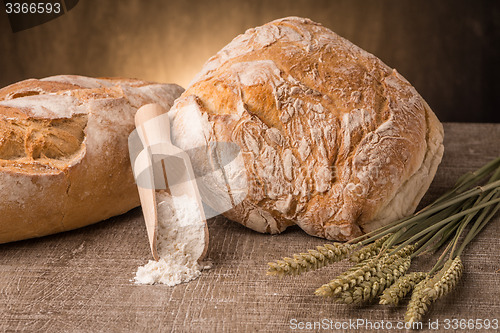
column 32, row 8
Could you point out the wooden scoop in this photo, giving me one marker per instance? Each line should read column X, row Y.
column 167, row 162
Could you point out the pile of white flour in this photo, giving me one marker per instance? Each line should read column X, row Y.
column 180, row 242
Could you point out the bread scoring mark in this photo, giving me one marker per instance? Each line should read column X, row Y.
column 33, row 87
column 25, row 93
column 41, row 144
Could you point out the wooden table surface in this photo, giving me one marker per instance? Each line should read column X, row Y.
column 80, row 281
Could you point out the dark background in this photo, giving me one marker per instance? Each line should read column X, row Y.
column 449, row 50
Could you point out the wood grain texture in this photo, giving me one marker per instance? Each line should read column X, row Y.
column 79, row 281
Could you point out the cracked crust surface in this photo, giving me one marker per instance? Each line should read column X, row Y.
column 64, row 159
column 331, row 138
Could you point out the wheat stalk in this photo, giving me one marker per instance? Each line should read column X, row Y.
column 401, row 287
column 368, row 278
column 384, row 255
column 419, row 304
column 368, row 290
column 312, row 260
column 369, row 251
column 431, row 289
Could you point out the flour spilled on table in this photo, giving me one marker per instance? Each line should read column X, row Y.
column 180, row 243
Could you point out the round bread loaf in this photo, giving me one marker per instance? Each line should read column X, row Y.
column 331, row 138
column 64, row 160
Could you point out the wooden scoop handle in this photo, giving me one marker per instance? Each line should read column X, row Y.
column 152, row 132
column 156, row 131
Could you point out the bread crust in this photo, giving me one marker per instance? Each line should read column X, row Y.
column 331, row 138
column 64, row 160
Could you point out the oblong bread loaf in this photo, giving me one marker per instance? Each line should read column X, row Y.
column 64, row 160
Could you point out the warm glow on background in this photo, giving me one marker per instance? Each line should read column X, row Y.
column 447, row 49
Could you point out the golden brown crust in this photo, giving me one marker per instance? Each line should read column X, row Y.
column 329, row 134
column 64, row 159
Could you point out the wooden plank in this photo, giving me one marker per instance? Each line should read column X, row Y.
column 81, row 280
